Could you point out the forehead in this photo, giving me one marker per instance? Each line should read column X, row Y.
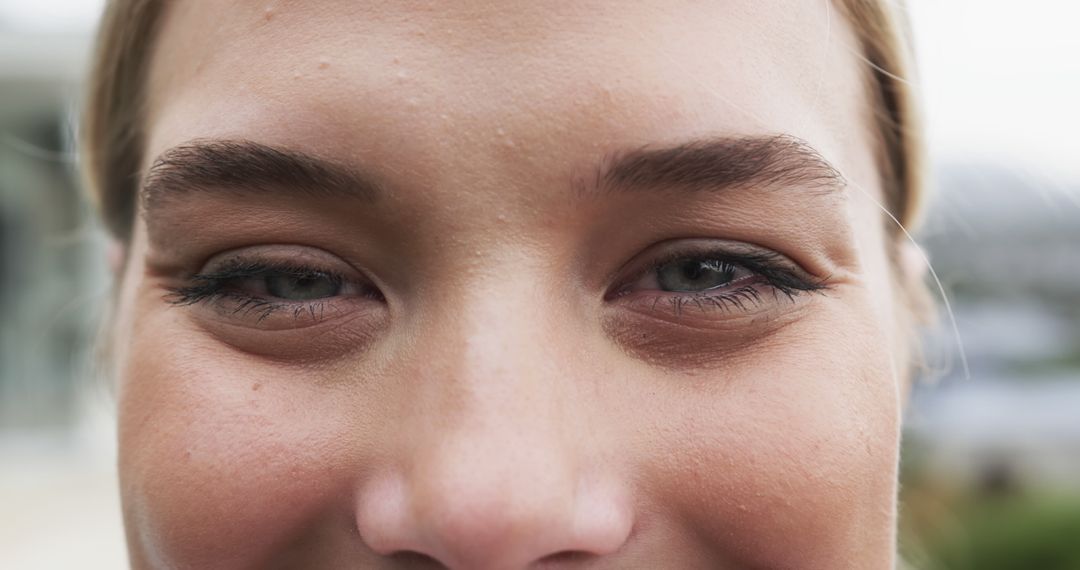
column 421, row 87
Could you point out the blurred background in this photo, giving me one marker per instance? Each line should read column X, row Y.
column 991, row 463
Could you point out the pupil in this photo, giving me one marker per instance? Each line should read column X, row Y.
column 692, row 270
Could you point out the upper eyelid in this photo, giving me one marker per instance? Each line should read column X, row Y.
column 281, row 255
column 266, row 259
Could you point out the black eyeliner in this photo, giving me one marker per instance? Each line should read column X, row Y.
column 769, row 265
column 214, row 285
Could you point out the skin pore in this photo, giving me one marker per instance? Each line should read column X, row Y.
column 509, row 285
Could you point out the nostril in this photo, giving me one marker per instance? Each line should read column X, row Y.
column 418, row 560
column 564, row 557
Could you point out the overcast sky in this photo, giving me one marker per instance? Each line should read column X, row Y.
column 1001, row 80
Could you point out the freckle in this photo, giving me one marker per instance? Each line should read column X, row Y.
column 397, row 60
column 268, row 14
column 256, row 387
column 323, row 64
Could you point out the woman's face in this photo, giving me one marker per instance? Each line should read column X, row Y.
column 508, row 286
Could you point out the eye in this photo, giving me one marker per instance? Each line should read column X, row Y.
column 288, row 284
column 692, row 275
column 714, row 276
column 277, row 288
column 305, row 287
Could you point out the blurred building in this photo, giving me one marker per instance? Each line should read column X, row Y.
column 51, row 282
column 1006, row 244
column 57, row 479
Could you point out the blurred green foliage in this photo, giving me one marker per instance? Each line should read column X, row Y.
column 1017, row 531
column 1037, row 369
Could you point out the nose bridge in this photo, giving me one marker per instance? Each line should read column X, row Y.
column 504, row 418
column 509, row 359
column 495, row 472
column 498, row 350
column 502, row 386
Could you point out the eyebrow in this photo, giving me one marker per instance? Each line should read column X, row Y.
column 714, row 164
column 720, row 163
column 243, row 166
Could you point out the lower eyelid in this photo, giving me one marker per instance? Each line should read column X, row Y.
column 747, row 298
column 739, row 299
column 290, row 337
column 692, row 342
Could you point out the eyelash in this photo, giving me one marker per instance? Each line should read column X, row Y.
column 213, row 288
column 769, row 266
column 776, row 274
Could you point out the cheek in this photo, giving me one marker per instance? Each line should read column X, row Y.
column 221, row 459
column 789, row 459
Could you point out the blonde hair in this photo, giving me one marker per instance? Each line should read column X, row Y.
column 112, row 134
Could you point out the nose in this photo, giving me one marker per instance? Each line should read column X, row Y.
column 463, row 513
column 497, row 472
